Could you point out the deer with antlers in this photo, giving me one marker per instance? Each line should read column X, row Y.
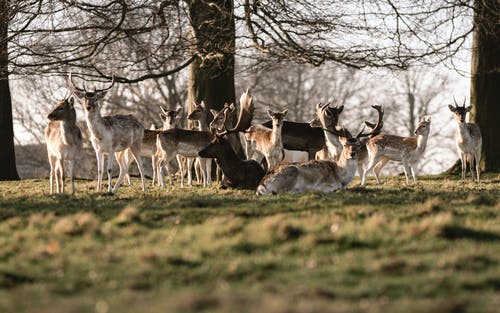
column 244, row 174
column 320, row 175
column 110, row 134
column 468, row 139
column 407, row 150
column 64, row 142
column 268, row 141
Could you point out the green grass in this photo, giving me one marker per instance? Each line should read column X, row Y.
column 431, row 247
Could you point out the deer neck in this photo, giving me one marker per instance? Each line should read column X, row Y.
column 228, row 160
column 95, row 123
column 332, row 143
column 422, row 142
column 68, row 128
column 346, row 168
column 276, row 135
column 203, row 124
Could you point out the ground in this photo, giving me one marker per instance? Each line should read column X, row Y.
column 431, row 247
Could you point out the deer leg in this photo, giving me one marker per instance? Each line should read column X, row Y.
column 371, row 163
column 414, row 172
column 189, row 166
column 100, row 166
column 471, row 165
column 464, row 164
column 208, row 167
column 52, row 162
column 71, row 175
column 136, row 153
column 109, row 169
column 378, row 167
column 59, row 176
column 477, row 157
column 406, row 167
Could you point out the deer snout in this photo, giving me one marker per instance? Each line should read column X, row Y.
column 353, row 154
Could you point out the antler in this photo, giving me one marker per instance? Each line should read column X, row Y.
column 246, row 115
column 72, row 84
column 376, row 128
column 108, row 88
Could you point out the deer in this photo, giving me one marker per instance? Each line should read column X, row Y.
column 200, row 114
column 327, row 117
column 323, row 176
column 407, row 150
column 64, row 141
column 169, row 119
column 268, row 141
column 110, row 134
column 468, row 140
column 242, row 174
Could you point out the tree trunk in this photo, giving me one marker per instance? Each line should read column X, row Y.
column 8, row 169
column 212, row 73
column 485, row 83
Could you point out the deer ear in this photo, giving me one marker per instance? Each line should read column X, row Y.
column 214, row 112
column 79, row 94
column 428, row 119
column 270, row 113
column 232, row 107
column 101, row 94
column 452, row 108
column 71, row 101
column 202, row 104
column 369, row 124
column 340, row 109
column 178, row 111
column 467, row 109
column 284, row 112
column 162, row 116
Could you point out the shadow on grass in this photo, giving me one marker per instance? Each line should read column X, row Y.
column 455, row 232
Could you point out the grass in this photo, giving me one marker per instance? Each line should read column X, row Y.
column 431, row 247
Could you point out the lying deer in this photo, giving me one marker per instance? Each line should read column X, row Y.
column 407, row 150
column 468, row 139
column 323, row 175
column 64, row 143
column 238, row 173
column 110, row 134
column 268, row 141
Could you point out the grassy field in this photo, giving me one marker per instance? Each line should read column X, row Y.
column 431, row 247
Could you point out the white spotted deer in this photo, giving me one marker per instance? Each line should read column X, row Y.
column 319, row 175
column 110, row 134
column 64, row 143
column 268, row 141
column 468, row 139
column 407, row 150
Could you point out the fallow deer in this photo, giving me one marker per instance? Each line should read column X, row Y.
column 110, row 134
column 468, row 140
column 64, row 143
column 268, row 141
column 407, row 150
column 327, row 117
column 238, row 173
column 322, row 175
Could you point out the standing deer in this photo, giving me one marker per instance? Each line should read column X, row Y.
column 238, row 173
column 407, row 150
column 328, row 118
column 468, row 139
column 110, row 134
column 323, row 175
column 64, row 142
column 268, row 141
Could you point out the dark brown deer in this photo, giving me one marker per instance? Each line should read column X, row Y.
column 238, row 173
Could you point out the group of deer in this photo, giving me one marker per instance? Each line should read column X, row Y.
column 334, row 154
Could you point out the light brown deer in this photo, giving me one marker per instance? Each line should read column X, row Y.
column 110, row 134
column 407, row 150
column 268, row 141
column 64, row 143
column 319, row 175
column 468, row 139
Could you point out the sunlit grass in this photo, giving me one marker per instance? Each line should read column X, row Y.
column 430, row 247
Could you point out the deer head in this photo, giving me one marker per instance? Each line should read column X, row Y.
column 169, row 117
column 221, row 118
column 245, row 117
column 326, row 116
column 460, row 112
column 351, row 145
column 423, row 126
column 89, row 98
column 199, row 112
column 64, row 110
column 277, row 117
